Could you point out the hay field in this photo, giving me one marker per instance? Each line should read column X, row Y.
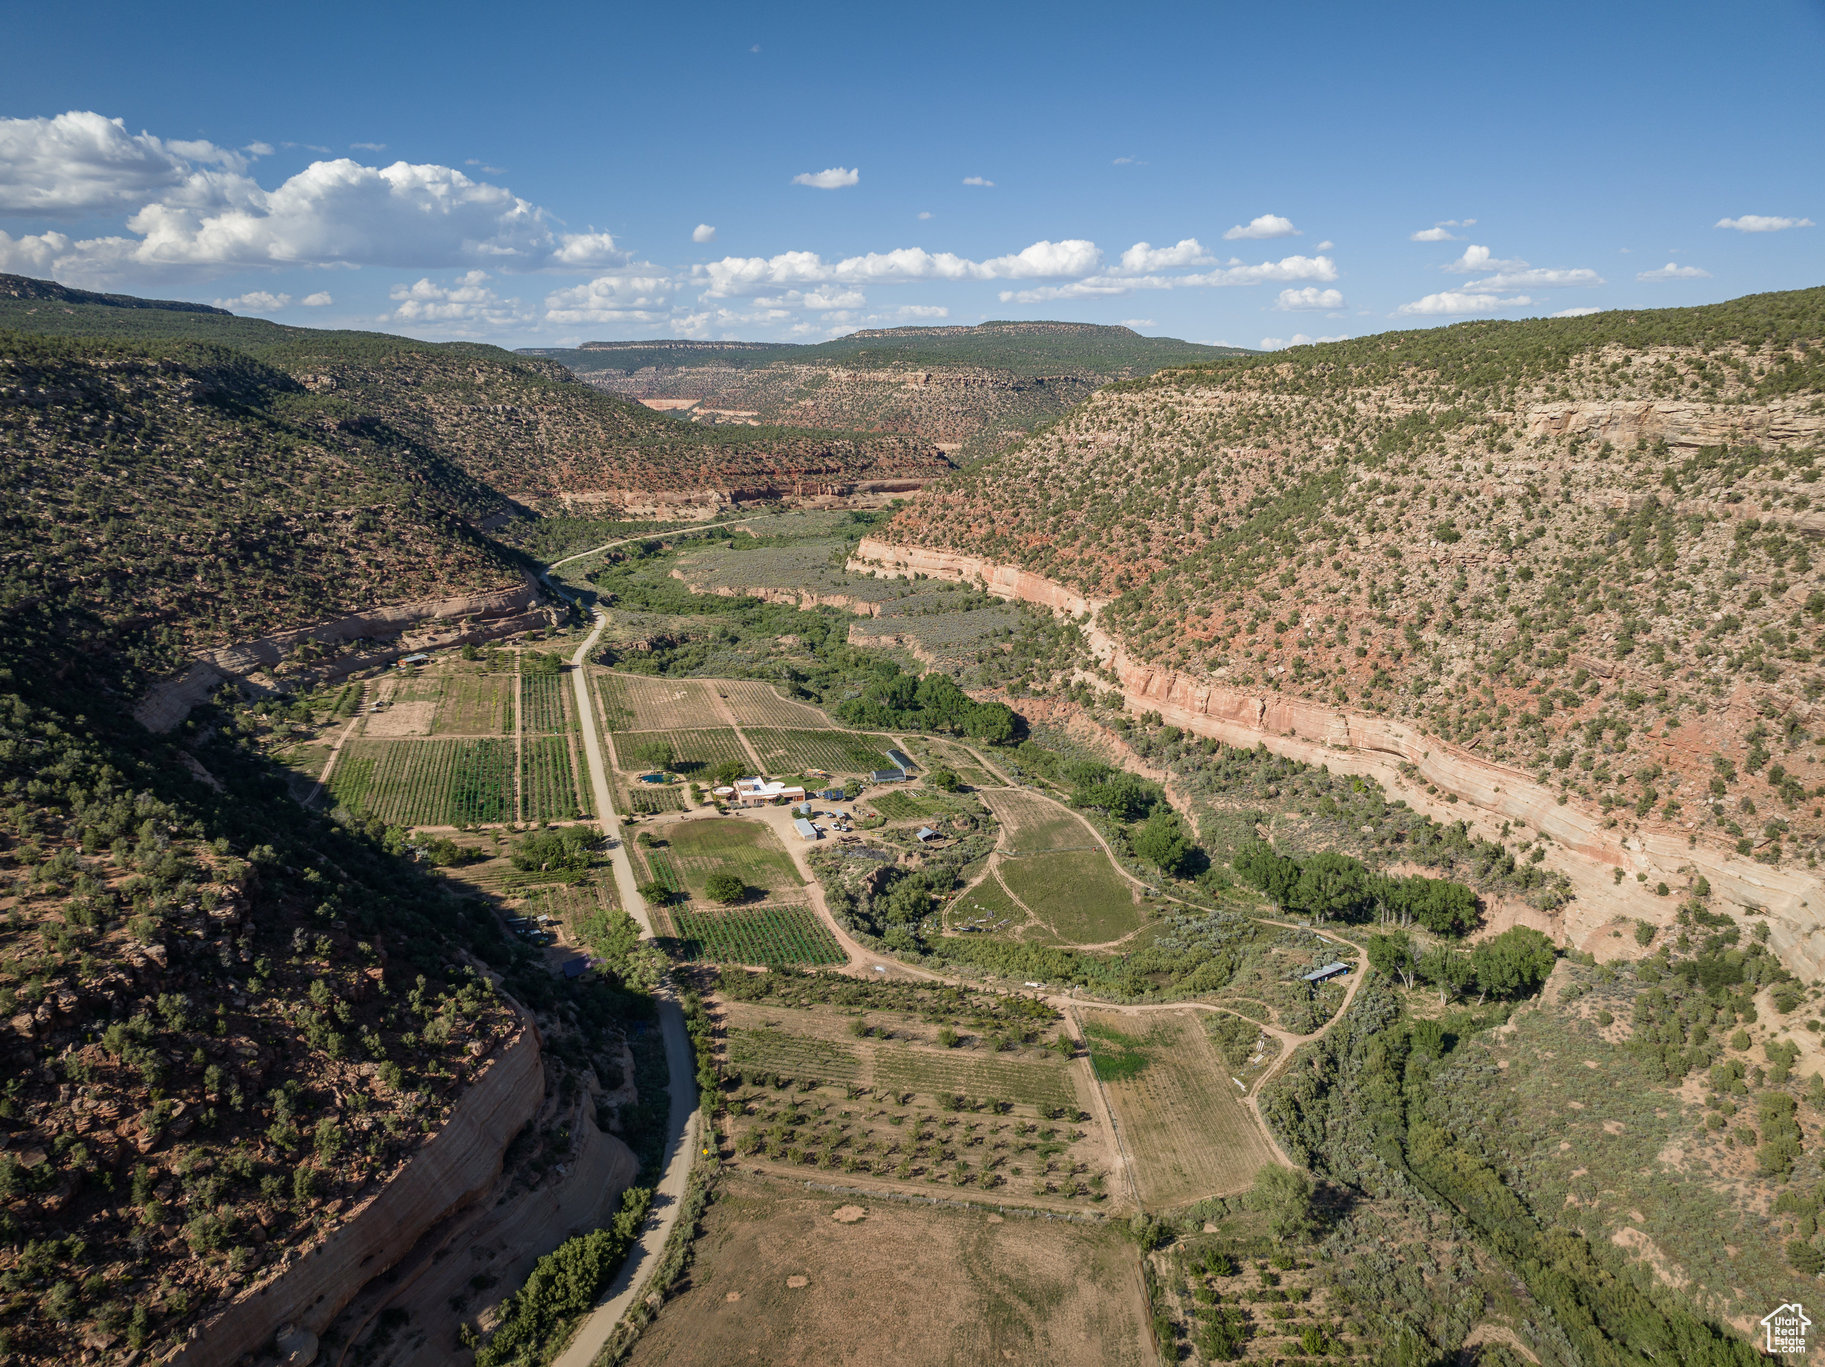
column 783, row 1275
column 1078, row 893
column 636, row 702
column 746, row 849
column 837, row 752
column 1179, row 1114
column 1036, row 825
column 757, row 703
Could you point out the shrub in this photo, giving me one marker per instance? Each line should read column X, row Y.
column 725, row 888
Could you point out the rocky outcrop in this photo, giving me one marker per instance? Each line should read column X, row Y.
column 454, row 1168
column 1378, row 747
column 381, row 634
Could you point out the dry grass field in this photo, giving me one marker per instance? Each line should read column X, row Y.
column 1036, row 825
column 635, row 702
column 787, row 1276
column 475, row 705
column 1178, row 1111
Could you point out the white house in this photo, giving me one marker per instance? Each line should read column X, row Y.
column 757, row 792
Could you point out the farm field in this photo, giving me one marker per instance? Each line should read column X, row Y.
column 987, row 908
column 747, row 849
column 780, row 1278
column 548, row 787
column 1035, row 825
column 635, row 702
column 839, row 752
column 1179, row 1112
column 542, row 705
column 757, row 703
column 474, row 705
column 1076, row 892
column 437, row 782
column 937, row 1075
column 644, row 799
column 692, row 752
column 780, row 935
column 948, row 638
column 896, row 805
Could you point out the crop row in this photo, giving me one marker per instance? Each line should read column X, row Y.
column 941, row 1075
column 754, row 703
column 795, row 1055
column 548, row 788
column 692, row 752
column 429, row 782
column 776, row 936
column 542, row 702
column 475, row 705
column 841, row 752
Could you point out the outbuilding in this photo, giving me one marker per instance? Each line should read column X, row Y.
column 1325, row 974
column 804, row 828
column 889, row 776
column 926, row 835
column 899, row 760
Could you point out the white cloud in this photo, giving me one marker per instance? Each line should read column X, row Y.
column 317, row 299
column 368, row 146
column 464, row 306
column 1538, row 278
column 922, row 311
column 1324, row 246
column 1763, row 223
column 1582, row 311
column 818, row 301
column 1266, row 225
column 1103, row 286
column 924, row 214
column 1477, row 259
column 1123, row 161
column 1311, row 297
column 982, row 181
column 1458, row 301
column 737, row 275
column 639, row 295
column 198, row 211
column 483, row 166
column 1297, row 339
column 1139, row 323
column 1674, row 271
column 835, row 178
column 80, row 162
column 1143, row 256
column 1439, row 234
column 703, row 232
column 255, row 301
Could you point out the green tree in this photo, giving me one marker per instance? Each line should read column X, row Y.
column 1331, row 886
column 1284, row 1195
column 1393, row 955
column 1514, row 964
column 1163, row 840
column 724, row 887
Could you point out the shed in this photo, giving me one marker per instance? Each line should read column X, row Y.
column 926, row 833
column 1325, row 974
column 899, row 760
column 418, row 659
column 804, row 828
column 576, row 967
column 889, row 775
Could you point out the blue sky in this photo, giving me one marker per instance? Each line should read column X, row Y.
column 1217, row 172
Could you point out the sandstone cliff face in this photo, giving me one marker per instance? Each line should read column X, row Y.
column 1357, row 742
column 391, row 632
column 453, row 1169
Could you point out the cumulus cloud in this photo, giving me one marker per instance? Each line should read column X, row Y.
column 198, row 210
column 1477, row 259
column 1674, row 271
column 1763, row 223
column 1311, row 297
column 317, row 299
column 255, row 301
column 1297, row 339
column 1266, row 225
column 465, row 305
column 1460, row 301
column 982, row 181
column 1143, row 256
column 1139, row 323
column 638, row 295
column 81, row 163
column 1582, row 311
column 818, row 301
column 835, row 178
column 1537, row 278
column 1289, row 268
column 738, row 275
column 703, row 232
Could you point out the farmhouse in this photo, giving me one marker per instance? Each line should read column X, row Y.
column 757, row 792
